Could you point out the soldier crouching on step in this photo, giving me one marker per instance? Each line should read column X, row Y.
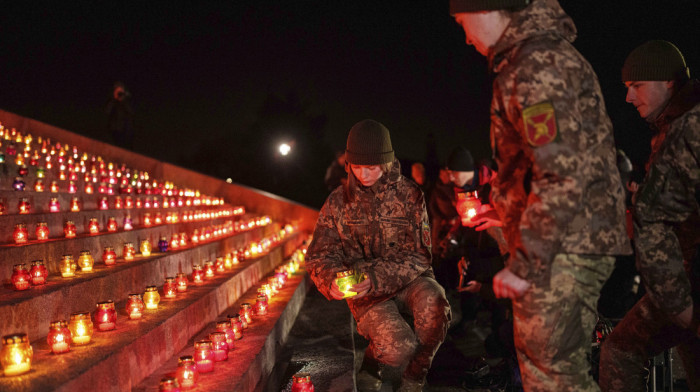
column 377, row 226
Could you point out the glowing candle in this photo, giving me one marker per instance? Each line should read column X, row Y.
column 39, row 185
column 67, row 266
column 93, row 226
column 75, row 204
column 169, row 287
column 266, row 290
column 151, row 297
column 219, row 265
column 54, row 205
column 274, row 285
column 139, row 203
column 106, row 316
column 204, row 356
column 16, row 354
column 174, row 242
column 85, row 261
column 127, row 223
column 69, row 229
column 261, row 305
column 20, row 277
column 80, row 327
column 219, row 346
column 145, row 247
column 197, row 274
column 118, row 202
column 209, row 269
column 236, row 326
column 163, row 244
column 301, row 382
column 246, row 314
column 89, row 189
column 169, row 384
column 24, row 206
column 183, row 239
column 104, row 203
column 224, row 326
column 135, row 306
column 38, row 273
column 72, row 188
column 40, row 172
column 281, row 274
column 59, row 337
column 187, row 372
column 109, row 256
column 468, row 205
column 129, row 202
column 181, row 282
column 147, row 220
column 18, row 184
column 20, row 234
column 128, row 251
column 158, row 220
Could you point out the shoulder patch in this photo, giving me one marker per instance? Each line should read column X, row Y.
column 425, row 235
column 540, row 124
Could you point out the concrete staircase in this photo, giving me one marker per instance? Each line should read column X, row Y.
column 227, row 219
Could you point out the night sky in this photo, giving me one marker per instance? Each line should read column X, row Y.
column 217, row 85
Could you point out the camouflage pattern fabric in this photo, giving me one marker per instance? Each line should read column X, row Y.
column 644, row 333
column 393, row 342
column 382, row 231
column 558, row 189
column 553, row 324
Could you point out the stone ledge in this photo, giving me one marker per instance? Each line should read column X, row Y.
column 252, row 360
column 117, row 360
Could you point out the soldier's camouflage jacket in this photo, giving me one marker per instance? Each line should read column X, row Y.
column 558, row 189
column 381, row 230
column 666, row 204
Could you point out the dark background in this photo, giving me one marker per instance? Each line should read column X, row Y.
column 218, row 85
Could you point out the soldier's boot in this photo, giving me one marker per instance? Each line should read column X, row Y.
column 408, row 385
column 369, row 378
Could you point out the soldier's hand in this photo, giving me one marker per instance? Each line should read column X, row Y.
column 361, row 288
column 509, row 285
column 472, row 287
column 486, row 218
column 335, row 291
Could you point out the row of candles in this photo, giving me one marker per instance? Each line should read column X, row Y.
column 16, row 354
column 22, row 277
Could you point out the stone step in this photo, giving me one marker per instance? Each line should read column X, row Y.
column 120, row 359
column 251, row 362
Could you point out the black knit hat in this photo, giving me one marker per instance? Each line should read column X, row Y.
column 369, row 144
column 655, row 60
column 460, row 160
column 457, row 6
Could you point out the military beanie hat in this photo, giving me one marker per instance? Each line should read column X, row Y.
column 369, row 144
column 655, row 60
column 460, row 160
column 457, row 6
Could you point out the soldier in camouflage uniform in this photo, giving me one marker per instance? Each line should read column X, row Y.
column 377, row 224
column 558, row 192
column 666, row 234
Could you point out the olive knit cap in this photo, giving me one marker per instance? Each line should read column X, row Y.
column 457, row 6
column 369, row 144
column 655, row 60
column 460, row 160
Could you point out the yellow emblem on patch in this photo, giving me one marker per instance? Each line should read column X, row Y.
column 540, row 124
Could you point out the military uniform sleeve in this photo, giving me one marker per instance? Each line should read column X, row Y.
column 549, row 124
column 410, row 260
column 325, row 254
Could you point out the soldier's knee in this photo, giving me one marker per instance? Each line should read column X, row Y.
column 397, row 355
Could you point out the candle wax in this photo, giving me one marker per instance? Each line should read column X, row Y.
column 81, row 339
column 60, row 347
column 205, row 365
column 17, row 368
column 106, row 326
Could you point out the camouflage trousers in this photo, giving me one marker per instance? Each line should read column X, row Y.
column 553, row 325
column 393, row 342
column 644, row 332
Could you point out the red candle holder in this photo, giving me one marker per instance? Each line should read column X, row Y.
column 109, row 256
column 468, row 205
column 236, row 326
column 219, row 265
column 128, row 225
column 72, row 188
column 39, row 185
column 38, row 273
column 181, row 282
column 89, row 188
column 20, row 277
column 75, row 204
column 93, row 226
column 225, row 327
column 183, row 239
column 59, row 337
column 169, row 287
column 112, row 224
column 135, row 306
column 169, row 384
column 20, row 235
column 139, row 203
column 104, row 203
column 301, row 382
column 246, row 313
column 69, row 229
column 204, row 356
column 147, row 220
column 174, row 242
column 129, row 202
column 106, row 316
column 187, row 373
column 54, row 205
column 209, row 269
column 197, row 274
column 261, row 305
column 128, row 252
column 219, row 346
column 118, row 202
column 24, row 206
column 158, row 219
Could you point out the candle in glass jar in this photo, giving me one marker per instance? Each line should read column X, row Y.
column 59, row 337
column 42, row 231
column 67, row 266
column 38, row 273
column 246, row 314
column 39, row 185
column 128, row 223
column 197, row 274
column 187, row 372
column 20, row 277
column 135, row 306
column 181, row 282
column 169, row 287
column 118, row 202
column 20, row 234
column 236, row 326
column 169, row 384
column 109, row 256
column 18, row 184
column 128, row 251
column 104, row 203
column 89, row 189
column 261, row 304
column 106, row 316
column 72, row 188
column 301, row 382
column 219, row 264
column 93, row 226
column 174, row 242
column 204, row 356
column 16, row 354
column 85, row 261
column 69, row 229
column 74, row 204
column 209, row 269
column 225, row 327
column 145, row 247
column 151, row 297
column 23, row 206
column 163, row 244
column 219, row 346
column 147, row 220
